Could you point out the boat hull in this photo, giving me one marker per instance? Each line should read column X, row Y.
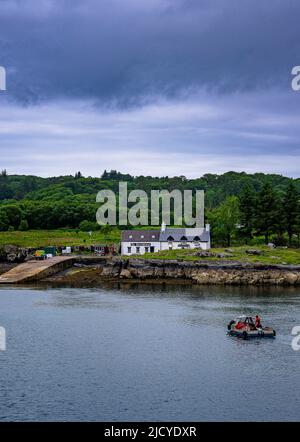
column 253, row 333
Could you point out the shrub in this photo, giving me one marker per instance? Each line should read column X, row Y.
column 23, row 225
column 87, row 226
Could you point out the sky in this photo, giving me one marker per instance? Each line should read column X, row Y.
column 149, row 87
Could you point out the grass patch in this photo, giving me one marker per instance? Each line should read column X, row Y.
column 43, row 238
column 279, row 255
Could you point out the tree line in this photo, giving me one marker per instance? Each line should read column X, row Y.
column 240, row 207
column 268, row 213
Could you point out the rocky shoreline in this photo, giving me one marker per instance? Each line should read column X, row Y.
column 196, row 272
column 90, row 269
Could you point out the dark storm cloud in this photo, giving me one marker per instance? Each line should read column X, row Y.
column 166, row 87
column 127, row 52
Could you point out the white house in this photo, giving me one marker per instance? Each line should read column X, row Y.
column 140, row 241
column 144, row 241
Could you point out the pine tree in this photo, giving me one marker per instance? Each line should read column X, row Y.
column 104, row 176
column 247, row 204
column 267, row 212
column 291, row 210
column 3, row 173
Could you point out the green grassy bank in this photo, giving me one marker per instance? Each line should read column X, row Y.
column 278, row 255
column 42, row 238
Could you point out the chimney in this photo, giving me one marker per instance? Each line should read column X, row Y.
column 163, row 227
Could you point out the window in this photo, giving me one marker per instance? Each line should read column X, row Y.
column 130, row 236
column 128, row 249
column 153, row 236
column 142, row 236
column 138, row 250
column 146, row 249
column 170, row 238
column 196, row 238
column 170, row 248
column 183, row 238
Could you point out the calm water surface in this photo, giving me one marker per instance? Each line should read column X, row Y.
column 146, row 353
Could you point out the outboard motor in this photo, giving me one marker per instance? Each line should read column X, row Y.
column 230, row 324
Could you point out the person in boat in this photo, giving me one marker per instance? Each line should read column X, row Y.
column 240, row 325
column 252, row 325
column 258, row 322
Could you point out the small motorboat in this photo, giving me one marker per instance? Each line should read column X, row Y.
column 244, row 327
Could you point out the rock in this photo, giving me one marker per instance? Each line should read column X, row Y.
column 125, row 274
column 13, row 254
column 18, row 256
column 205, row 254
column 223, row 255
column 292, row 278
column 209, row 272
column 254, row 252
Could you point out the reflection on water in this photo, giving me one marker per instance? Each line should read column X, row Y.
column 146, row 352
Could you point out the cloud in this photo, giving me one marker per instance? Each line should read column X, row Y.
column 127, row 52
column 161, row 87
column 169, row 137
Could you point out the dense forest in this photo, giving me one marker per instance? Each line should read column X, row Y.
column 240, row 207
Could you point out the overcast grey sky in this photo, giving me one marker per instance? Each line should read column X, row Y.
column 155, row 87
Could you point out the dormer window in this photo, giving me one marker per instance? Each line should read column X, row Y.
column 153, row 236
column 130, row 236
column 170, row 238
column 183, row 238
column 142, row 236
column 196, row 238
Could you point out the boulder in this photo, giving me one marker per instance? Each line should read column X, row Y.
column 223, row 255
column 254, row 252
column 204, row 254
column 125, row 274
column 13, row 254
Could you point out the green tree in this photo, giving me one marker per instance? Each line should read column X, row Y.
column 87, row 226
column 13, row 213
column 247, row 204
column 30, row 184
column 225, row 219
column 291, row 210
column 4, row 221
column 267, row 211
column 23, row 225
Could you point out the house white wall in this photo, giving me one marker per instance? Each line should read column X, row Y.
column 159, row 246
column 142, row 247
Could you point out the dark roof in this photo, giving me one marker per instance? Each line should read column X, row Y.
column 137, row 235
column 178, row 234
column 157, row 235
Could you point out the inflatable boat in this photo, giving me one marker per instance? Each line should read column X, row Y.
column 244, row 327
